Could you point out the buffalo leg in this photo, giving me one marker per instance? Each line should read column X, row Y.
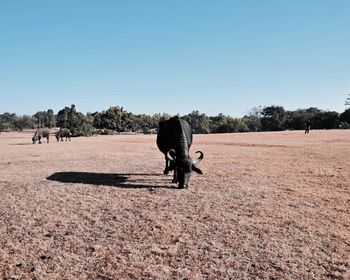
column 166, row 170
column 175, row 180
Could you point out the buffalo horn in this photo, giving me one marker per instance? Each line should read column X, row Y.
column 200, row 157
column 168, row 155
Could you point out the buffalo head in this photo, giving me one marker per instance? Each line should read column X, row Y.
column 183, row 167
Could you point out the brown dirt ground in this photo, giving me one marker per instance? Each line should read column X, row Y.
column 269, row 206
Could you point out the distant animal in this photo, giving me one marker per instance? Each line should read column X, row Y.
column 41, row 133
column 63, row 132
column 174, row 139
column 307, row 126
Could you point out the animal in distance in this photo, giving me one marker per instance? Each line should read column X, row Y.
column 41, row 133
column 63, row 132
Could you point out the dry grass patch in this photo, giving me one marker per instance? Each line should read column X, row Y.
column 269, row 206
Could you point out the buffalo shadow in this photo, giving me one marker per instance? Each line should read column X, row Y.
column 119, row 180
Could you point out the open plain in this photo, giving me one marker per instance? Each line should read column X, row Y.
column 269, row 206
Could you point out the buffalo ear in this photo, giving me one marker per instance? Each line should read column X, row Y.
column 196, row 169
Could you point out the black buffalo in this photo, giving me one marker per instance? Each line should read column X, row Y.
column 41, row 133
column 174, row 140
column 63, row 132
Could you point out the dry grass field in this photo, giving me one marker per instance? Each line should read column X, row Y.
column 269, row 206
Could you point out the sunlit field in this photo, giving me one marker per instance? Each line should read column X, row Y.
column 269, row 206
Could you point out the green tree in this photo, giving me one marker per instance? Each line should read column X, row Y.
column 253, row 119
column 40, row 118
column 160, row 117
column 325, row 120
column 115, row 118
column 51, row 119
column 23, row 122
column 62, row 118
column 8, row 121
column 296, row 119
column 226, row 124
column 45, row 118
column 81, row 126
column 77, row 122
column 273, row 118
column 142, row 123
column 345, row 116
column 200, row 123
column 345, row 119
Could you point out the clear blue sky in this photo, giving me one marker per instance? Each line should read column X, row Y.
column 175, row 56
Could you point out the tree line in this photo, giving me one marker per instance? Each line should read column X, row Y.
column 116, row 120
